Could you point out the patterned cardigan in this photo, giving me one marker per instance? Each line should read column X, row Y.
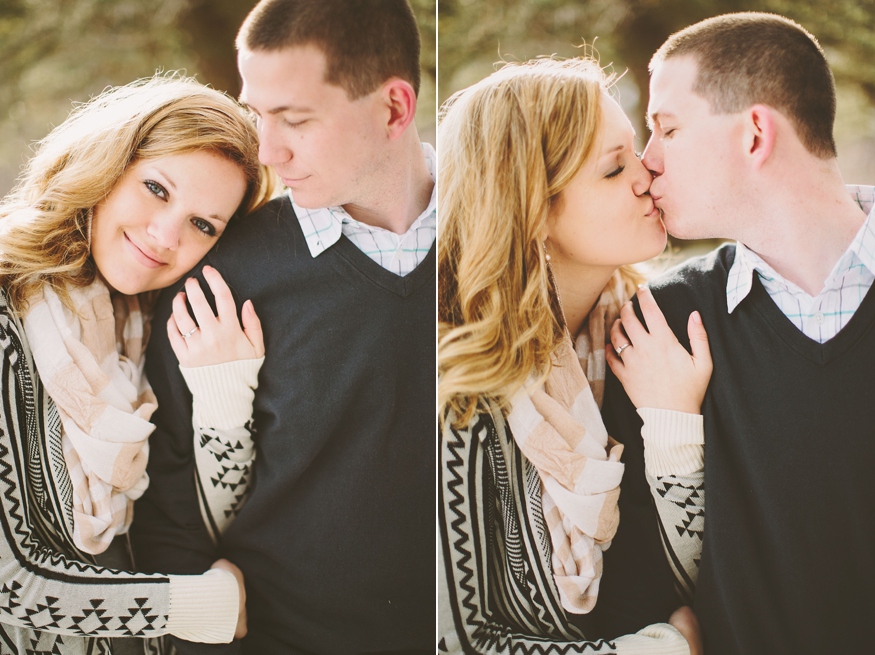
column 53, row 598
column 496, row 588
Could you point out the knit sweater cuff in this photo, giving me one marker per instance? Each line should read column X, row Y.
column 204, row 607
column 656, row 639
column 223, row 393
column 673, row 442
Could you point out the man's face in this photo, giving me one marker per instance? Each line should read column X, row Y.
column 691, row 154
column 326, row 148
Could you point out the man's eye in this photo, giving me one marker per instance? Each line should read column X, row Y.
column 668, row 132
column 156, row 189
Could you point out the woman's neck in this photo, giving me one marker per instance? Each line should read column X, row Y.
column 579, row 288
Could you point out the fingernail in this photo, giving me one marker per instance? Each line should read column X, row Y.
column 697, row 318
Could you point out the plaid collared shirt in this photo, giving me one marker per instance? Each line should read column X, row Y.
column 398, row 253
column 822, row 317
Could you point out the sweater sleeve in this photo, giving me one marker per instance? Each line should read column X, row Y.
column 674, row 460
column 43, row 589
column 168, row 532
column 222, row 397
column 496, row 595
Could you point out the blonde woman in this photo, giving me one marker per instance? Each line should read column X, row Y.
column 120, row 200
column 543, row 204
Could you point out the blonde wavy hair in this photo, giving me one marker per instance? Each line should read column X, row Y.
column 44, row 221
column 507, row 146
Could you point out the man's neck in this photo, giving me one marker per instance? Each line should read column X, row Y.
column 807, row 233
column 404, row 196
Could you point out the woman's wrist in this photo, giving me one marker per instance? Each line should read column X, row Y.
column 205, row 607
column 223, row 393
column 673, row 441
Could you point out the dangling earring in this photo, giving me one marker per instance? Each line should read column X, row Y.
column 89, row 219
column 552, row 279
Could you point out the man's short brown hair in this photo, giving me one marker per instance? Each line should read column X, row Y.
column 365, row 42
column 749, row 58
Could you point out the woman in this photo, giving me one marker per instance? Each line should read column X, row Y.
column 122, row 199
column 543, row 204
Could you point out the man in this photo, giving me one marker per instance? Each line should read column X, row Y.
column 742, row 109
column 336, row 539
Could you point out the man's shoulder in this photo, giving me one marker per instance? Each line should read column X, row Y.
column 705, row 271
column 271, row 227
column 698, row 283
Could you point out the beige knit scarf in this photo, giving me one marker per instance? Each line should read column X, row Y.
column 559, row 428
column 91, row 364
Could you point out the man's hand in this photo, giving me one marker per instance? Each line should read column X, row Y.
column 225, row 565
column 684, row 621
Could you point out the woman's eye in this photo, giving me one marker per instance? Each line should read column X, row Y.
column 668, row 133
column 204, row 226
column 615, row 173
column 293, row 123
column 156, row 189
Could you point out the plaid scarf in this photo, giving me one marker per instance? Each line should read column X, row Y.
column 91, row 364
column 558, row 427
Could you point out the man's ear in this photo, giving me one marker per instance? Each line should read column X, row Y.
column 400, row 98
column 760, row 132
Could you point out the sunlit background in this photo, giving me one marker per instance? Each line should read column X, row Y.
column 56, row 52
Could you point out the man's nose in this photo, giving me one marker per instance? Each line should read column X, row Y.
column 652, row 158
column 272, row 150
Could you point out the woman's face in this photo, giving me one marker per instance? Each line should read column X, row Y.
column 162, row 218
column 605, row 216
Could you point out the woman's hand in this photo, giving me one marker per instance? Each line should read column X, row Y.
column 242, row 628
column 213, row 339
column 653, row 367
column 684, row 621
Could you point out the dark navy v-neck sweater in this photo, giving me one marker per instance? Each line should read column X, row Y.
column 788, row 565
column 336, row 540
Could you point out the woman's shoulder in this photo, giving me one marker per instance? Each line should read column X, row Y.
column 8, row 315
column 488, row 420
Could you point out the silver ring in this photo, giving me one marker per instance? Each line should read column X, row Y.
column 190, row 332
column 622, row 348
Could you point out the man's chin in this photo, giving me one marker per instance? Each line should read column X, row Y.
column 676, row 228
column 307, row 200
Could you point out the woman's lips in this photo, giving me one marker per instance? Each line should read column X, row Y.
column 142, row 255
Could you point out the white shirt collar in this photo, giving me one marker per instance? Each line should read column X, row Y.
column 323, row 226
column 740, row 279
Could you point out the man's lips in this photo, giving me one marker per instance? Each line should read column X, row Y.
column 143, row 255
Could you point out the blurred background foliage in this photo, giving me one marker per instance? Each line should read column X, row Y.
column 475, row 34
column 56, row 52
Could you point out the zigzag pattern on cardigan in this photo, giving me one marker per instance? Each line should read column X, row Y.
column 497, row 550
column 52, row 598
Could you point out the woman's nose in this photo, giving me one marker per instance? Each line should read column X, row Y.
column 643, row 179
column 165, row 229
